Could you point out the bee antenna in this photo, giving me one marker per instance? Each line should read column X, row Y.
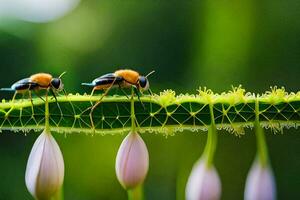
column 150, row 73
column 62, row 74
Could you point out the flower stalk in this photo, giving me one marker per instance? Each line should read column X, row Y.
column 204, row 182
column 262, row 151
column 260, row 183
column 136, row 193
column 212, row 138
column 45, row 167
column 132, row 161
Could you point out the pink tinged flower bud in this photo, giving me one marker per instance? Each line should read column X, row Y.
column 45, row 167
column 260, row 184
column 204, row 183
column 132, row 161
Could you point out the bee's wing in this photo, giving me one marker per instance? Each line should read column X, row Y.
column 107, row 76
column 24, row 84
column 108, row 79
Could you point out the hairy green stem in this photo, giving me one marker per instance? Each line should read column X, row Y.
column 262, row 151
column 211, row 143
column 165, row 113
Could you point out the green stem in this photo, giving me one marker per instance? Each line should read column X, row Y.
column 164, row 113
column 132, row 116
column 211, row 142
column 59, row 195
column 47, row 124
column 262, row 151
column 136, row 193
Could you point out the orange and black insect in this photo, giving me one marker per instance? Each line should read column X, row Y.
column 37, row 82
column 124, row 78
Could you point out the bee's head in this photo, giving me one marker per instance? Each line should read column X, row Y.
column 57, row 84
column 143, row 83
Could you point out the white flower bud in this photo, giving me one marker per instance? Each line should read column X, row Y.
column 132, row 161
column 260, row 184
column 204, row 183
column 45, row 167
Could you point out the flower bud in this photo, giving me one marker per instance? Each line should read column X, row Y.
column 203, row 183
column 45, row 167
column 132, row 161
column 260, row 184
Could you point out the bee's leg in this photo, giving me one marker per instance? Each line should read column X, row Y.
column 123, row 91
column 150, row 92
column 31, row 101
column 30, row 98
column 53, row 94
column 38, row 95
column 21, row 110
column 31, row 88
column 12, row 101
column 94, row 107
column 14, row 97
column 65, row 93
column 98, row 102
column 61, row 113
column 138, row 95
column 91, row 95
column 32, row 106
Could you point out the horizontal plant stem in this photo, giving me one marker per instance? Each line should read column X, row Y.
column 166, row 113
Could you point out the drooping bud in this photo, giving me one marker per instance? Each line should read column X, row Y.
column 204, row 182
column 260, row 184
column 45, row 167
column 132, row 161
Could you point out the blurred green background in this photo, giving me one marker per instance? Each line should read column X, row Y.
column 189, row 44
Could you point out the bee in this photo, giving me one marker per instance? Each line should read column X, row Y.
column 37, row 82
column 124, row 78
